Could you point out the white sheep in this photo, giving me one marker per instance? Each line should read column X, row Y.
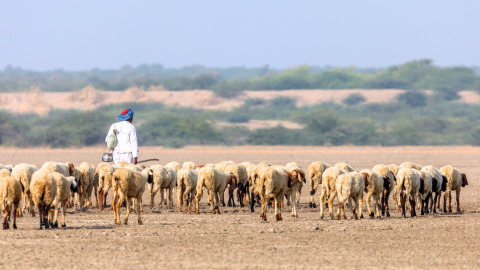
column 424, row 191
column 249, row 168
column 129, row 185
column 350, row 187
column 408, row 185
column 5, row 173
column 23, row 174
column 187, row 189
column 252, row 181
column 85, row 184
column 103, row 175
column 315, row 172
column 164, row 180
column 63, row 168
column 438, row 180
column 455, row 181
column 374, row 186
column 43, row 188
column 411, row 165
column 189, row 165
column 329, row 178
column 10, row 196
column 65, row 185
column 388, row 186
column 215, row 181
column 272, row 183
column 232, row 168
column 344, row 166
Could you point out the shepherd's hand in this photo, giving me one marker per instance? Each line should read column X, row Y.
column 134, row 160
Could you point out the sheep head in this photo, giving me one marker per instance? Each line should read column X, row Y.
column 464, row 180
column 70, row 168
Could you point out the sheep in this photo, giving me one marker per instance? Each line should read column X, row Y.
column 344, row 166
column 315, row 171
column 374, row 186
column 5, row 173
column 211, row 165
column 215, row 181
column 6, row 167
column 11, row 195
column 43, row 189
column 424, row 191
column 252, row 181
column 232, row 168
column 408, row 185
column 294, row 184
column 65, row 185
column 52, row 166
column 23, row 174
column 329, row 178
column 248, row 169
column 272, row 183
column 164, row 179
column 103, row 175
column 291, row 166
column 350, row 186
column 186, row 191
column 411, row 165
column 174, row 165
column 388, row 186
column 128, row 184
column 85, row 184
column 189, row 165
column 455, row 181
column 438, row 180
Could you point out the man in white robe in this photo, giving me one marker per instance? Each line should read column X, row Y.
column 127, row 147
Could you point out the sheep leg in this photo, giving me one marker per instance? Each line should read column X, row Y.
column 197, row 202
column 217, row 202
column 367, row 201
column 230, row 198
column 312, row 198
column 412, row 207
column 360, row 206
column 6, row 214
column 100, row 196
column 40, row 215
column 45, row 218
column 210, row 200
column 439, row 195
column 382, row 201
column 402, row 201
column 252, row 202
column 395, row 200
column 322, row 207
column 264, row 203
column 185, row 197
column 427, row 199
column 457, row 193
column 162, row 193
column 387, row 212
column 129, row 201
column 170, row 198
column 180, row 199
column 153, row 192
column 330, row 204
column 450, row 202
column 278, row 209
column 15, row 208
column 139, row 202
column 352, row 208
column 294, row 205
column 55, row 217
column 118, row 204
column 32, row 211
column 165, row 197
column 422, row 204
column 105, row 198
column 64, row 210
column 95, row 193
column 445, row 195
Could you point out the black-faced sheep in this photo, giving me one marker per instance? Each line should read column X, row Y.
column 455, row 181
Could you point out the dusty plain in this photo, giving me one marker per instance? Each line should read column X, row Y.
column 238, row 238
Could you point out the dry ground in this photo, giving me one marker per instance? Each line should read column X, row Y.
column 238, row 238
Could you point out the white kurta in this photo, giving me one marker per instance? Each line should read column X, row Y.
column 127, row 147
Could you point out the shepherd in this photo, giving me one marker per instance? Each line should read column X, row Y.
column 127, row 146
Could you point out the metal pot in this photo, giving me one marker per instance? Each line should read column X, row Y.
column 107, row 157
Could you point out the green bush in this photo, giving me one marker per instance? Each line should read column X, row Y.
column 413, row 98
column 353, row 99
column 238, row 118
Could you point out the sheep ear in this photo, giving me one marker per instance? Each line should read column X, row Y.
column 464, row 180
column 366, row 179
column 70, row 168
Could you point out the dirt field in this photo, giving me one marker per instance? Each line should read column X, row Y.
column 238, row 238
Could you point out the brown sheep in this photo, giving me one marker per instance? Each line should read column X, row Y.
column 455, row 181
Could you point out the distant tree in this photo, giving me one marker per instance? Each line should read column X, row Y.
column 353, row 99
column 413, row 98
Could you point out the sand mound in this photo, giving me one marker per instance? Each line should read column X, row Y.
column 33, row 102
column 88, row 95
column 133, row 94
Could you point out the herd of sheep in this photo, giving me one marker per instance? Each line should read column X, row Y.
column 62, row 185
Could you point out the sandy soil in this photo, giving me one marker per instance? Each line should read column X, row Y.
column 238, row 238
column 90, row 98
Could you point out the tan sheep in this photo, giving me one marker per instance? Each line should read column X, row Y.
column 408, row 185
column 350, row 187
column 129, row 185
column 174, row 165
column 438, row 180
column 5, row 173
column 187, row 189
column 65, row 185
column 455, row 181
column 424, row 191
column 164, row 179
column 189, row 165
column 215, row 181
column 344, row 166
column 52, row 166
column 315, row 172
column 103, row 175
column 23, row 174
column 272, row 183
column 44, row 189
column 300, row 174
column 232, row 168
column 411, row 165
column 374, row 186
column 252, row 182
column 85, row 184
column 388, row 186
column 10, row 195
column 329, row 177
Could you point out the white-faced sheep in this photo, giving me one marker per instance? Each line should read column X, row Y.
column 374, row 186
column 329, row 178
column 408, row 185
column 215, row 181
column 65, row 185
column 129, row 185
column 189, row 165
column 388, row 186
column 164, row 179
column 350, row 187
column 438, row 181
column 187, row 189
column 23, row 173
column 455, row 181
column 10, row 195
column 103, row 174
column 411, row 165
column 44, row 189
column 315, row 172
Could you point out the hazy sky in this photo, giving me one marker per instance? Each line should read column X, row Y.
column 79, row 35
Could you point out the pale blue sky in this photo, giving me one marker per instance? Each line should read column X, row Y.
column 79, row 35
